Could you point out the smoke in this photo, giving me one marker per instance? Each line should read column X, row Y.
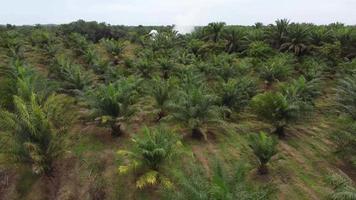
column 184, row 29
column 192, row 13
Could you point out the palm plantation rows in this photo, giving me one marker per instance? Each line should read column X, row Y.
column 95, row 111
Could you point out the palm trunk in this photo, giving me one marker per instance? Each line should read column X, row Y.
column 197, row 133
column 263, row 169
column 165, row 74
column 280, row 132
column 160, row 115
column 116, row 129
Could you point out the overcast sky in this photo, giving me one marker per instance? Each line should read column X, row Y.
column 183, row 12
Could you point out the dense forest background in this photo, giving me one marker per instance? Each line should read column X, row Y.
column 96, row 111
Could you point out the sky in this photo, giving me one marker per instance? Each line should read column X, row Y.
column 179, row 12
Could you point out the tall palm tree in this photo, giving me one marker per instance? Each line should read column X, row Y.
column 214, row 30
column 320, row 35
column 277, row 33
column 297, row 39
column 235, row 39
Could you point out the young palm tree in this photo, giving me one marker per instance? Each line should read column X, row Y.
column 145, row 68
column 277, row 68
column 78, row 43
column 152, row 150
column 302, row 89
column 74, row 78
column 114, row 47
column 343, row 187
column 33, row 135
column 167, row 66
column 259, row 50
column 162, row 92
column 346, row 92
column 264, row 147
column 195, row 107
column 222, row 185
column 91, row 55
column 277, row 109
column 21, row 80
column 113, row 103
column 235, row 94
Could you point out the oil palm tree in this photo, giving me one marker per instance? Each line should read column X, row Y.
column 145, row 68
column 195, row 107
column 235, row 39
column 276, row 68
column 277, row 109
column 113, row 103
column 235, row 94
column 162, row 93
column 264, row 147
column 167, row 66
column 221, row 185
column 78, row 43
column 302, row 89
column 320, row 35
column 214, row 30
column 34, row 134
column 277, row 33
column 21, row 80
column 346, row 91
column 343, row 188
column 151, row 151
column 114, row 48
column 297, row 40
column 74, row 78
